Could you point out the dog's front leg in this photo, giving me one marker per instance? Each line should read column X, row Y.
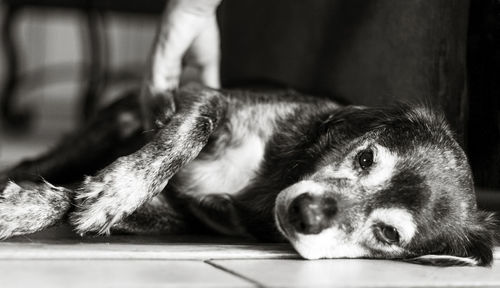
column 119, row 189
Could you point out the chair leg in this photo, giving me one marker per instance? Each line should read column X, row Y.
column 14, row 118
column 96, row 73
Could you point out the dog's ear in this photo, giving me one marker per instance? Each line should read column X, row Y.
column 481, row 238
column 427, row 115
column 443, row 260
column 474, row 249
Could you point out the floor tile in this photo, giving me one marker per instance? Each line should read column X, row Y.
column 359, row 273
column 112, row 273
column 61, row 243
column 164, row 251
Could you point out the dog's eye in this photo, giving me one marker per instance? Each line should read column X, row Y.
column 365, row 159
column 387, row 234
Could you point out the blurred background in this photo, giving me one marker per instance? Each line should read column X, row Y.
column 63, row 58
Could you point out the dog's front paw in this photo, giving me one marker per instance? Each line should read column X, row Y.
column 31, row 207
column 106, row 199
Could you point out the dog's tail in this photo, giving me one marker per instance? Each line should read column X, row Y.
column 31, row 207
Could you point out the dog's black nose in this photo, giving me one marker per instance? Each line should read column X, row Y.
column 310, row 214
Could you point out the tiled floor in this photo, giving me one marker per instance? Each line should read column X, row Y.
column 58, row 258
column 358, row 273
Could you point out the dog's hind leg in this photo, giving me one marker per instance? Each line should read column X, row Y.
column 157, row 216
column 31, row 207
column 115, row 131
column 28, row 203
column 129, row 182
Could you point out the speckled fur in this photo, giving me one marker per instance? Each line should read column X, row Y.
column 196, row 172
column 18, row 205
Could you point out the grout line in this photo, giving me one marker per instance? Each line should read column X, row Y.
column 217, row 266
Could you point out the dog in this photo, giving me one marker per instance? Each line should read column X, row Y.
column 334, row 181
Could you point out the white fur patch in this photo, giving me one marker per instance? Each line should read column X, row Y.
column 330, row 243
column 383, row 169
column 345, row 171
column 290, row 193
column 401, row 219
column 231, row 172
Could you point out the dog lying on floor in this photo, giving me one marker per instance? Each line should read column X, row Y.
column 333, row 181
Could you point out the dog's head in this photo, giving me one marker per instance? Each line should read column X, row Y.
column 385, row 183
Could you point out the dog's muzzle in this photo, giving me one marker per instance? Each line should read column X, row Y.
column 311, row 214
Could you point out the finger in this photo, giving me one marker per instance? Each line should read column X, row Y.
column 176, row 34
column 210, row 75
column 204, row 53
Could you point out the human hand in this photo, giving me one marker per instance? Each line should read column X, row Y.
column 188, row 36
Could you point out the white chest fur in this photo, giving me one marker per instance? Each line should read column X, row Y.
column 238, row 155
column 231, row 171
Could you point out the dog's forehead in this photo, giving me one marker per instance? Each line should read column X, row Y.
column 425, row 169
column 432, row 180
column 431, row 170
